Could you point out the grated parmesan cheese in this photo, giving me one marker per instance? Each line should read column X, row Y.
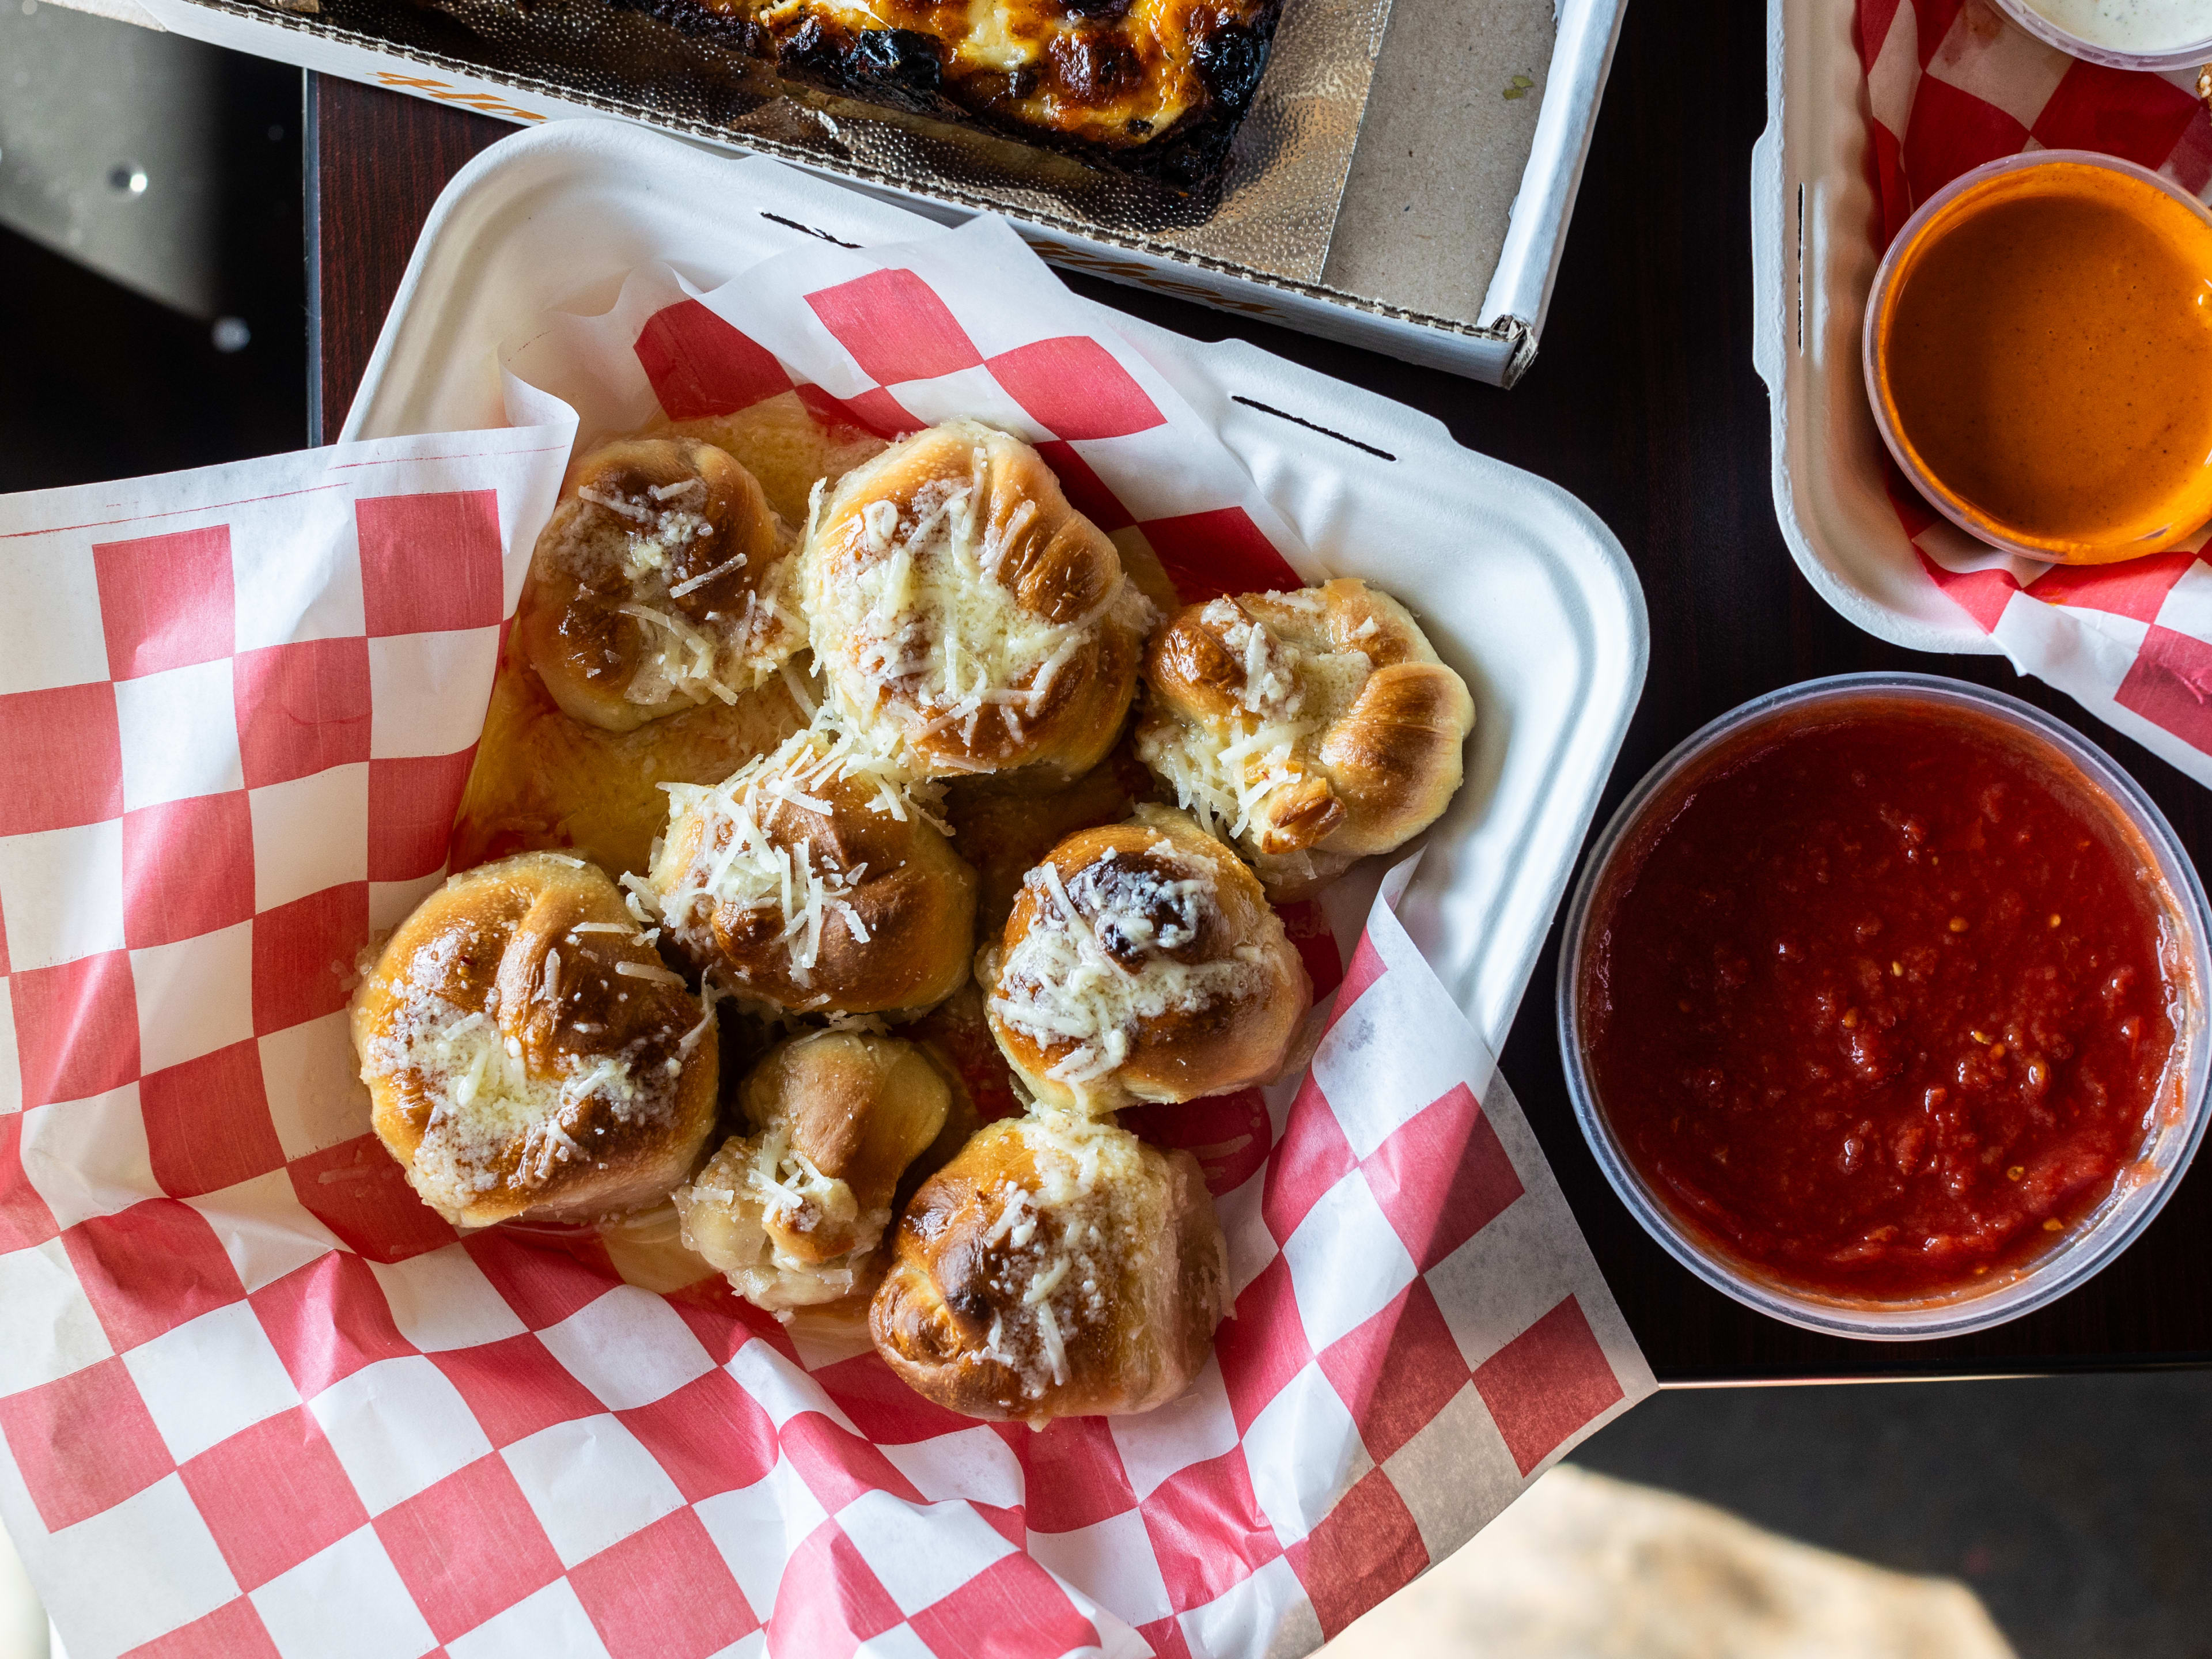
column 756, row 1195
column 1059, row 1248
column 908, row 609
column 1226, row 772
column 742, row 858
column 1067, row 984
column 493, row 1119
column 635, row 545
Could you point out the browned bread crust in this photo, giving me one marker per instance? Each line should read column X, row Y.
column 1057, row 1267
column 1142, row 963
column 544, row 781
column 967, row 617
column 1004, row 826
column 659, row 584
column 810, row 881
column 527, row 1053
column 1313, row 727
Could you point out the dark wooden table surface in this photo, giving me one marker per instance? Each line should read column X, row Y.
column 1643, row 403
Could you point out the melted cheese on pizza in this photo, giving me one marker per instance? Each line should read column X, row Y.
column 1119, row 75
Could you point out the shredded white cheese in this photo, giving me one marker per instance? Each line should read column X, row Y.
column 636, row 542
column 908, row 609
column 1061, row 1243
column 1091, row 969
column 1226, row 772
column 493, row 1119
column 756, row 1198
column 745, row 856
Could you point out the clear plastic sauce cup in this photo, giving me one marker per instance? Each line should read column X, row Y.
column 2172, row 1129
column 2037, row 353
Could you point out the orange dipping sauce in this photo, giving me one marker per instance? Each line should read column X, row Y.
column 2045, row 354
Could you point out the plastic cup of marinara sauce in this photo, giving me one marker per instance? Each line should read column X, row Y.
column 1882, row 1005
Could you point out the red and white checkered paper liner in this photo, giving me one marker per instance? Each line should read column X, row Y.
column 255, row 1399
column 1950, row 84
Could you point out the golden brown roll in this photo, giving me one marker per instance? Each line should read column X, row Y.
column 811, row 880
column 661, row 582
column 1312, row 727
column 526, row 1051
column 966, row 617
column 793, row 1211
column 1142, row 963
column 1057, row 1267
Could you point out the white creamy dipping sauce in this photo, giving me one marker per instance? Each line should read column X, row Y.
column 2131, row 25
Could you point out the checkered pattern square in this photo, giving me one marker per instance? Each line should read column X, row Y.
column 77, row 1029
column 301, row 708
column 1072, row 386
column 233, row 1631
column 709, row 1436
column 304, row 953
column 411, row 813
column 1546, row 1383
column 896, row 326
column 663, row 1592
column 83, row 1442
column 356, row 1191
column 326, row 1321
column 314, row 1421
column 404, row 592
column 468, row 1546
column 61, row 758
column 187, row 868
column 208, row 1379
column 306, row 1081
column 699, row 365
column 1950, row 87
column 176, row 741
column 1398, row 1370
column 1366, row 1547
column 273, row 1495
column 515, row 1388
column 207, row 1123
column 349, row 1600
column 165, row 601
column 1012, row 1607
column 149, row 1268
column 26, row 1220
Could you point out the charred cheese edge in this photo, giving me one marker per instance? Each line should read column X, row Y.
column 1152, row 87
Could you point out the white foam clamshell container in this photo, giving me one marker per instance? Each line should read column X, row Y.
column 1520, row 585
column 1813, row 262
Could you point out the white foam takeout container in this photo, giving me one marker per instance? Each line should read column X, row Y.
column 1813, row 262
column 1519, row 585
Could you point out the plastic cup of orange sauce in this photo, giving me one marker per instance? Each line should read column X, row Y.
column 2038, row 356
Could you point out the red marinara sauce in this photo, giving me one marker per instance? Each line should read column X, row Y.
column 1883, row 999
